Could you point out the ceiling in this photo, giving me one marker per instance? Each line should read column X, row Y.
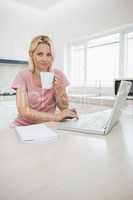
column 40, row 5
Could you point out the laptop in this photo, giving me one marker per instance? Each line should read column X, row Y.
column 99, row 122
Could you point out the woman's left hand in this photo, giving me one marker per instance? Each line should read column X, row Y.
column 61, row 95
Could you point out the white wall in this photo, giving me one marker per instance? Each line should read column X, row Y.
column 18, row 26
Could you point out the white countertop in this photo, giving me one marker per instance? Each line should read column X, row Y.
column 76, row 166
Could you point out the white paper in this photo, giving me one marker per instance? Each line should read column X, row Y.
column 35, row 133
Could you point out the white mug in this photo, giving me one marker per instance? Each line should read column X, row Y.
column 47, row 79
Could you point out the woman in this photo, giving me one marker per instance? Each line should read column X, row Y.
column 35, row 104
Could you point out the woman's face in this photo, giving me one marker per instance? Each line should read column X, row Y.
column 42, row 57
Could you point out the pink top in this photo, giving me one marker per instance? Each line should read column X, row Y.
column 38, row 98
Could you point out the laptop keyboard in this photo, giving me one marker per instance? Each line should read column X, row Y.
column 95, row 120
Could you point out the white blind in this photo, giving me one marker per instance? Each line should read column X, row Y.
column 77, row 72
column 103, row 60
column 97, row 63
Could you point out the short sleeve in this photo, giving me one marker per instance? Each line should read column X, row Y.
column 18, row 81
column 62, row 77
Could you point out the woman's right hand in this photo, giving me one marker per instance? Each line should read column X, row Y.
column 66, row 114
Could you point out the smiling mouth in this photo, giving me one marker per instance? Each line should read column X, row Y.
column 44, row 64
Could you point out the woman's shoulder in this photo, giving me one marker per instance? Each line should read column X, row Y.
column 58, row 72
column 25, row 73
column 22, row 78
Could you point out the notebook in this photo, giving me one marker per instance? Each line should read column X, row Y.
column 99, row 122
column 35, row 133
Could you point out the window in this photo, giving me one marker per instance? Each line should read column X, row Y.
column 130, row 55
column 98, row 61
column 103, row 60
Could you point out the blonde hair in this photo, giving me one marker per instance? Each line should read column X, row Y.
column 41, row 39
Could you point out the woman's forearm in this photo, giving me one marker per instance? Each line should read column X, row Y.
column 38, row 117
column 63, row 103
column 62, row 100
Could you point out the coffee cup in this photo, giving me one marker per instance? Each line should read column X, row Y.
column 47, row 79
